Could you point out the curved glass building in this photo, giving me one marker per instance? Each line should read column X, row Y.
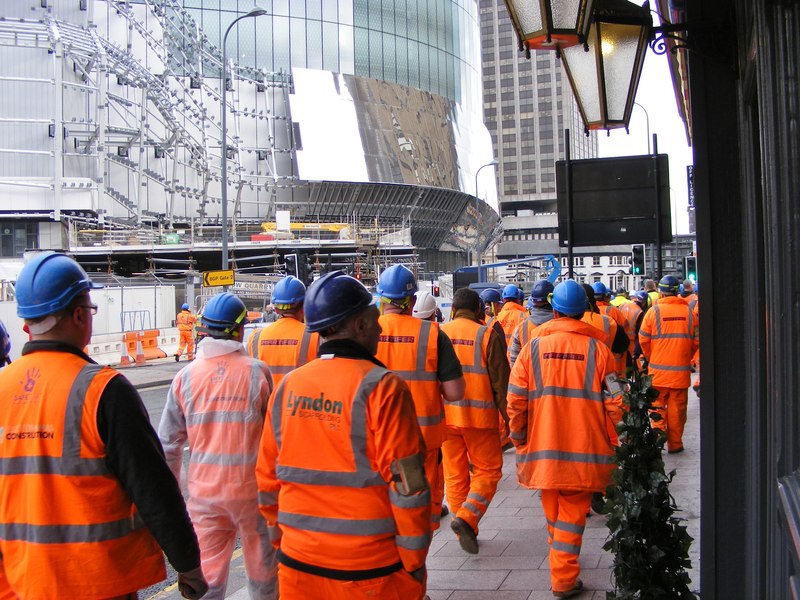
column 360, row 121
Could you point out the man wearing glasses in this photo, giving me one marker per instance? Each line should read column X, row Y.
column 87, row 501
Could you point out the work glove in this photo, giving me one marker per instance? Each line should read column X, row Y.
column 192, row 584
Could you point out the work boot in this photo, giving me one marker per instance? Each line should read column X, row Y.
column 576, row 589
column 465, row 534
column 445, row 511
column 177, row 357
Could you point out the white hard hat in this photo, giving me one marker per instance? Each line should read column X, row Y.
column 424, row 306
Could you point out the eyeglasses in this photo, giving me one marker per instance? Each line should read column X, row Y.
column 92, row 308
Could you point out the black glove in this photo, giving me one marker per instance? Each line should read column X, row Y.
column 192, row 584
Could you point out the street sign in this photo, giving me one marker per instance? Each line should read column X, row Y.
column 217, row 278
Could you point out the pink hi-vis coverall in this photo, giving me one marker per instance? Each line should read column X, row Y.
column 218, row 403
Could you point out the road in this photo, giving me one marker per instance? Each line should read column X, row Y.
column 154, row 399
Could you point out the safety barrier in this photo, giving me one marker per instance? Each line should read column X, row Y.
column 149, row 344
column 110, row 348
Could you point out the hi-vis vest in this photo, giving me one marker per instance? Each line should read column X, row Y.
column 185, row 320
column 333, row 428
column 631, row 312
column 557, row 408
column 408, row 346
column 477, row 409
column 284, row 345
column 669, row 337
column 67, row 528
column 511, row 315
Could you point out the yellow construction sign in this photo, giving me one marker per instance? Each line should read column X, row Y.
column 217, row 278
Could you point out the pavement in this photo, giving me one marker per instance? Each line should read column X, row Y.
column 512, row 563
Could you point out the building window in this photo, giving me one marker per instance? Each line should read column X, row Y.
column 595, row 261
column 18, row 236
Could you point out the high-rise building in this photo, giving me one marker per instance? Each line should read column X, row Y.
column 360, row 120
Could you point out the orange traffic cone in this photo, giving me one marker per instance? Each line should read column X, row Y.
column 140, row 359
column 124, row 359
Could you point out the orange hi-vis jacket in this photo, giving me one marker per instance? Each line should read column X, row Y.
column 217, row 403
column 669, row 337
column 409, row 347
column 558, row 407
column 283, row 345
column 611, row 311
column 477, row 409
column 67, row 527
column 631, row 312
column 602, row 323
column 509, row 317
column 185, row 320
column 334, row 428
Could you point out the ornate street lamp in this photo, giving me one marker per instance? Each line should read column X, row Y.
column 550, row 24
column 254, row 12
column 604, row 72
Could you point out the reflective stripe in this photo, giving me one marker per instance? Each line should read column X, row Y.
column 422, row 345
column 472, row 508
column 552, row 390
column 522, row 435
column 564, row 547
column 670, row 367
column 277, row 410
column 435, row 518
column 267, row 498
column 280, row 369
column 430, row 420
column 644, row 334
column 580, row 457
column 415, row 375
column 415, row 501
column 215, row 417
column 70, row 461
column 477, row 359
column 485, row 404
column 340, row 526
column 537, row 367
column 252, row 343
column 591, row 371
column 517, row 390
column 569, row 527
column 364, row 475
column 70, row 534
column 223, row 460
column 658, row 320
column 305, row 341
column 673, row 336
column 416, row 542
column 478, row 497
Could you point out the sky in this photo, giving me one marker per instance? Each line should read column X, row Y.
column 657, row 99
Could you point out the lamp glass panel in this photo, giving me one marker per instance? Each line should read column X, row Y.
column 565, row 13
column 619, row 45
column 529, row 15
column 583, row 70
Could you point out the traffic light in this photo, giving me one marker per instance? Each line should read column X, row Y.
column 690, row 267
column 637, row 259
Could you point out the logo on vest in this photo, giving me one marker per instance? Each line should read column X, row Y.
column 220, row 372
column 321, row 408
column 28, row 385
column 29, row 432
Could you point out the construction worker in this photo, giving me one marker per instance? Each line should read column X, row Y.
column 185, row 321
column 558, row 404
column 602, row 295
column 642, row 300
column 632, row 315
column 285, row 344
column 218, row 403
column 613, row 334
column 652, row 292
column 270, row 316
column 87, row 501
column 541, row 312
column 473, row 459
column 5, row 346
column 423, row 356
column 620, row 297
column 493, row 302
column 669, row 337
column 512, row 313
column 689, row 294
column 424, row 306
column 340, row 470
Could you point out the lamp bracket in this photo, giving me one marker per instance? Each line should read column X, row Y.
column 670, row 31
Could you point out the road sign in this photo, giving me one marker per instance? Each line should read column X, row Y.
column 217, row 278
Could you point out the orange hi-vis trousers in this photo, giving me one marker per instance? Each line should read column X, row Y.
column 469, row 494
column 186, row 341
column 565, row 512
column 433, row 472
column 297, row 585
column 671, row 405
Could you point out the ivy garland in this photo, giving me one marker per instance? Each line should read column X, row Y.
column 650, row 544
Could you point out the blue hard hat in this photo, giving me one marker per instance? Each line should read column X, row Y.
column 184, row 306
column 396, row 282
column 491, row 295
column 48, row 283
column 510, row 291
column 332, row 298
column 641, row 296
column 600, row 289
column 289, row 290
column 224, row 312
column 569, row 298
column 668, row 284
column 541, row 290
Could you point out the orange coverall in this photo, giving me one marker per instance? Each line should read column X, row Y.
column 185, row 321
